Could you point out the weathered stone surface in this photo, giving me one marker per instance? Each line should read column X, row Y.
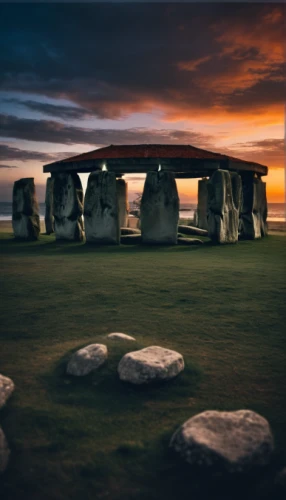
column 192, row 230
column 128, row 230
column 262, row 207
column 25, row 218
column 6, row 388
column 227, row 441
column 131, row 239
column 253, row 217
column 133, row 222
column 4, row 451
column 159, row 209
column 150, row 365
column 202, row 208
column 49, row 202
column 120, row 336
column 68, row 207
column 189, row 241
column 101, row 217
column 87, row 359
column 123, row 205
column 223, row 216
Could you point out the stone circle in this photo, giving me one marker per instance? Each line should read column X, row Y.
column 87, row 359
column 149, row 365
column 6, row 388
column 226, row 441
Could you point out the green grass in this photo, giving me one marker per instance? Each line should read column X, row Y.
column 222, row 307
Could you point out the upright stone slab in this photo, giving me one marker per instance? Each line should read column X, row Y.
column 122, row 196
column 202, row 208
column 101, row 217
column 253, row 217
column 223, row 216
column 160, row 209
column 25, row 218
column 68, row 207
column 49, row 216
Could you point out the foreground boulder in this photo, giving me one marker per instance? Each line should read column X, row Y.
column 150, row 365
column 25, row 217
column 4, row 451
column 87, row 359
column 68, row 207
column 6, row 388
column 225, row 441
column 192, row 230
column 120, row 336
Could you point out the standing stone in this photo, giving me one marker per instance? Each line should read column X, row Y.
column 68, row 207
column 49, row 216
column 253, row 217
column 101, row 216
column 4, row 452
column 202, row 208
column 25, row 218
column 122, row 196
column 262, row 206
column 223, row 216
column 160, row 209
column 233, row 442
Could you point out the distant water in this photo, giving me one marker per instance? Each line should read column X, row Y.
column 276, row 211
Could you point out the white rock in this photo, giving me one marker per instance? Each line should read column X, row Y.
column 150, row 364
column 119, row 336
column 6, row 388
column 87, row 359
column 4, row 452
column 228, row 441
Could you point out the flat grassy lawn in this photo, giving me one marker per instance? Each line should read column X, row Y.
column 94, row 437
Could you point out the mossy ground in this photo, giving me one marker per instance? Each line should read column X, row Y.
column 222, row 307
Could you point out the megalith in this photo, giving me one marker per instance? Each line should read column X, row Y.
column 25, row 217
column 160, row 209
column 49, row 216
column 253, row 217
column 122, row 196
column 202, row 208
column 101, row 217
column 223, row 213
column 68, row 207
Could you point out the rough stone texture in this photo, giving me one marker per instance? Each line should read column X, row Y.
column 226, row 441
column 87, row 359
column 131, row 239
column 49, row 215
column 120, row 336
column 4, row 452
column 133, row 222
column 159, row 209
column 150, row 365
column 101, row 218
column 25, row 218
column 6, row 388
column 202, row 208
column 68, row 207
column 123, row 205
column 253, row 217
column 223, row 216
column 189, row 241
column 192, row 230
column 128, row 230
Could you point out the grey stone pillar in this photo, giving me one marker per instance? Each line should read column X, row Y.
column 160, row 209
column 68, row 207
column 253, row 217
column 49, row 216
column 202, row 208
column 122, row 196
column 101, row 218
column 223, row 214
column 25, row 217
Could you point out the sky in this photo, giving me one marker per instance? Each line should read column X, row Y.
column 75, row 77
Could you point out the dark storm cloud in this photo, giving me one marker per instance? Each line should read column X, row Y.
column 57, row 111
column 115, row 60
column 9, row 153
column 8, row 166
column 52, row 131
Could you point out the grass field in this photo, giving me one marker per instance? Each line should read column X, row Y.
column 222, row 307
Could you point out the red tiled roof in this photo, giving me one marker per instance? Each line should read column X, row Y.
column 152, row 151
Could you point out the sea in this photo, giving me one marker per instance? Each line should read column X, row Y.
column 276, row 211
